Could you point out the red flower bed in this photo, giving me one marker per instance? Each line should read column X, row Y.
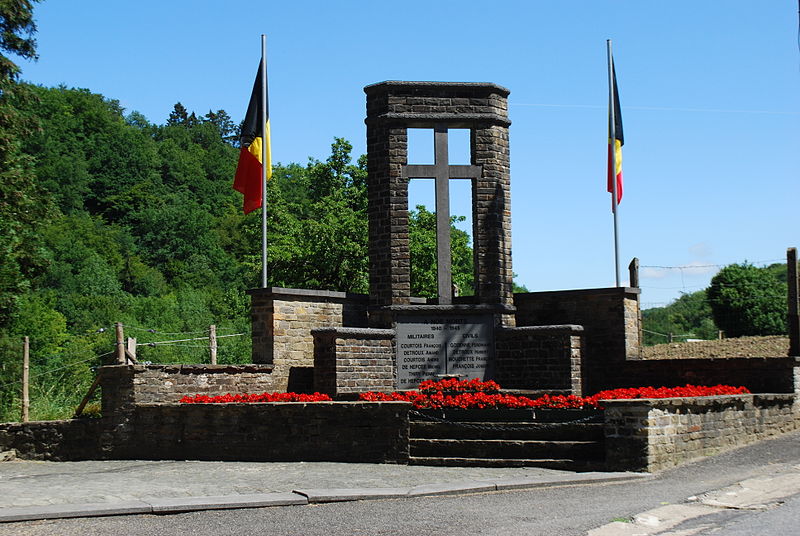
column 456, row 385
column 249, row 399
column 476, row 394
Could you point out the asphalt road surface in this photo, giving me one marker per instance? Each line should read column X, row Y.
column 563, row 511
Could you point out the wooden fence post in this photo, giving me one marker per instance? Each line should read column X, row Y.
column 120, row 344
column 130, row 349
column 26, row 363
column 212, row 342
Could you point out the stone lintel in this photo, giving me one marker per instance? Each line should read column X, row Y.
column 429, row 120
column 586, row 291
column 559, row 328
column 421, row 86
column 459, row 309
column 279, row 292
column 355, row 333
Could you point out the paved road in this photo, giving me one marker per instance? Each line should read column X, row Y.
column 565, row 510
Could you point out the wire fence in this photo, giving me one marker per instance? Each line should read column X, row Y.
column 745, row 308
column 65, row 375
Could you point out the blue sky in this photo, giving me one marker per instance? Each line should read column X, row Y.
column 710, row 95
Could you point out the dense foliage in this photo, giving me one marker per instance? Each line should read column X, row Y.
column 110, row 218
column 687, row 317
column 106, row 217
column 742, row 300
column 747, row 300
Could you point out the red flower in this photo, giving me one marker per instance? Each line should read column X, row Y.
column 470, row 394
column 245, row 398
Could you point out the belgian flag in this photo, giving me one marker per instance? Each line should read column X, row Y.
column 254, row 134
column 617, row 143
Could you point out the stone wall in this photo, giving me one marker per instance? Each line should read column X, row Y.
column 348, row 360
column 611, row 320
column 541, row 357
column 124, row 386
column 67, row 440
column 282, row 320
column 650, row 434
column 759, row 375
column 366, row 432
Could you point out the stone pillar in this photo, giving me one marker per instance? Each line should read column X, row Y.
column 491, row 205
column 794, row 301
column 390, row 265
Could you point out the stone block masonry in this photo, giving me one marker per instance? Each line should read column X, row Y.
column 125, row 386
column 351, row 360
column 65, row 440
column 610, row 318
column 655, row 434
column 282, row 320
column 759, row 375
column 366, row 432
column 392, row 108
column 539, row 357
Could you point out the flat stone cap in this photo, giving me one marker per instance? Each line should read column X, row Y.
column 402, row 85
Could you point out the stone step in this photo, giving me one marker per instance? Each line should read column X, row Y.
column 563, row 464
column 506, row 449
column 507, row 415
column 507, row 430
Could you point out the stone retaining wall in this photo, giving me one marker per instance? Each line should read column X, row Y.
column 640, row 435
column 66, row 440
column 348, row 360
column 759, row 375
column 126, row 385
column 655, row 434
column 282, row 320
column 366, row 432
column 611, row 320
column 540, row 357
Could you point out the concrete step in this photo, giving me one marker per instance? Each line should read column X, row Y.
column 507, row 431
column 562, row 464
column 506, row 449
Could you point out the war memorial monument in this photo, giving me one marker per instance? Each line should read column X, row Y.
column 563, row 342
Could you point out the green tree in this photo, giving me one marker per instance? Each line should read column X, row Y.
column 746, row 300
column 23, row 207
column 178, row 116
column 225, row 126
column 689, row 316
column 17, row 28
column 422, row 244
column 88, row 157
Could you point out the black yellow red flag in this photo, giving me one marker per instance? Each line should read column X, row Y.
column 254, row 135
column 615, row 144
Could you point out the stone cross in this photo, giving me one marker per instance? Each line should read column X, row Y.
column 441, row 171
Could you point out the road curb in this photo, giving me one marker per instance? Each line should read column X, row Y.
column 299, row 497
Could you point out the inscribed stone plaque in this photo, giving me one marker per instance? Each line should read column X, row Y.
column 429, row 347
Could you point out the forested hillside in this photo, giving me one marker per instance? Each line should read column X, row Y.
column 133, row 222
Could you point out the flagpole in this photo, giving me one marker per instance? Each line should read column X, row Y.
column 612, row 137
column 264, row 162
